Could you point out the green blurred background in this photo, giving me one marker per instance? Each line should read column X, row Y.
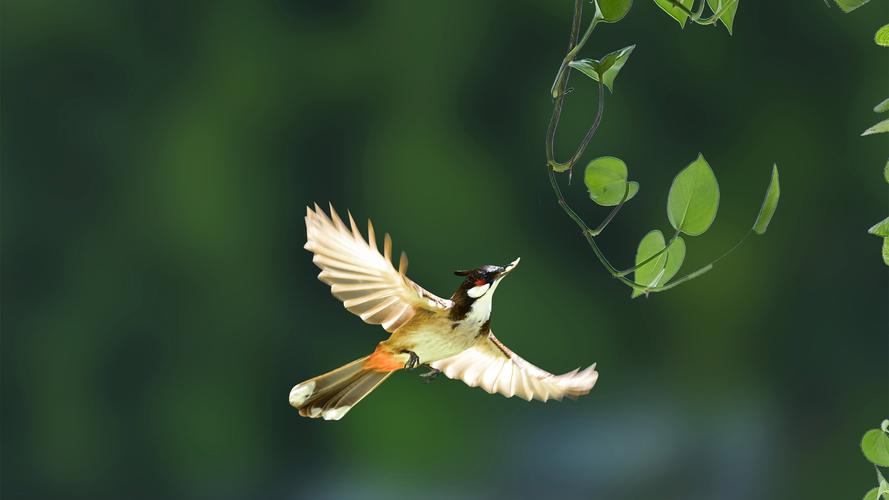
column 158, row 306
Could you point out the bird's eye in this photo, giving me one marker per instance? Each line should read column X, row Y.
column 480, row 282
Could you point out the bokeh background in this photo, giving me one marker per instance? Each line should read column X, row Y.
column 158, row 306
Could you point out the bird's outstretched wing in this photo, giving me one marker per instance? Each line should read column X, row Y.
column 492, row 366
column 359, row 275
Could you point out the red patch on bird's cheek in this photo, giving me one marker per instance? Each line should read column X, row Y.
column 480, row 282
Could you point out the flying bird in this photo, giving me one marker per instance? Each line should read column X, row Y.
column 452, row 336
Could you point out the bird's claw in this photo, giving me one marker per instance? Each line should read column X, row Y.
column 431, row 375
column 413, row 360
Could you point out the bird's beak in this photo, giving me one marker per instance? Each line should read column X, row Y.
column 512, row 265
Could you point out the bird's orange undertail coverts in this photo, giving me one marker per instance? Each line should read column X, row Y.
column 382, row 361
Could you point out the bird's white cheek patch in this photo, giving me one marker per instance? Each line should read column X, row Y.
column 477, row 291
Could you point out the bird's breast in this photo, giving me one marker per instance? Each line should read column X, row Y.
column 437, row 338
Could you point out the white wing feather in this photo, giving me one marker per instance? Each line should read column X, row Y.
column 493, row 367
column 360, row 276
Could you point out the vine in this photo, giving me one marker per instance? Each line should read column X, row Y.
column 875, row 442
column 881, row 229
column 693, row 198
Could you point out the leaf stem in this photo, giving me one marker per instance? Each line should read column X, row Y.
column 695, row 274
column 614, row 211
column 687, row 277
column 588, row 233
column 572, row 52
column 553, row 166
column 560, row 84
column 558, row 93
column 581, row 148
column 652, row 257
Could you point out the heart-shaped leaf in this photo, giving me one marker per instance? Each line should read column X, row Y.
column 881, row 37
column 606, row 180
column 661, row 269
column 605, row 69
column 875, row 446
column 694, row 198
column 668, row 6
column 612, row 11
column 727, row 18
column 769, row 204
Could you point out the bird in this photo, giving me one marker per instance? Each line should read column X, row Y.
column 452, row 336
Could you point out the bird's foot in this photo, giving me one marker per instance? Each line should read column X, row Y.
column 413, row 361
column 431, row 375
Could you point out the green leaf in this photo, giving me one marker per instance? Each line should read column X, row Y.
column 850, row 5
column 875, row 446
column 769, row 204
column 874, row 492
column 612, row 64
column 675, row 12
column 675, row 258
column 886, row 172
column 880, row 228
column 693, row 198
column 605, row 69
column 661, row 269
column 881, row 37
column 606, row 180
column 886, row 251
column 883, row 106
column 879, row 128
column 589, row 67
column 728, row 17
column 612, row 11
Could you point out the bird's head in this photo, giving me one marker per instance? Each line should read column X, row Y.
column 483, row 280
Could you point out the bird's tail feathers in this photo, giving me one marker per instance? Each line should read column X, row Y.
column 332, row 395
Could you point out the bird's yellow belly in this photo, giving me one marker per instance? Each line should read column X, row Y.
column 432, row 340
